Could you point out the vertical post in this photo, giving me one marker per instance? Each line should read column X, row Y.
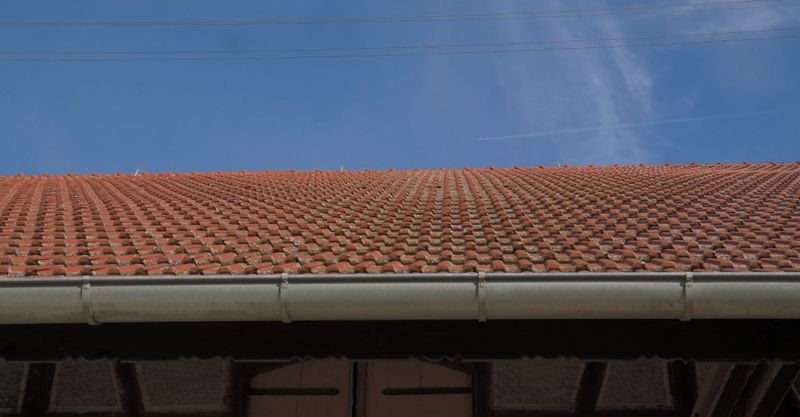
column 129, row 390
column 236, row 400
column 38, row 387
column 358, row 389
column 482, row 389
column 682, row 386
column 591, row 383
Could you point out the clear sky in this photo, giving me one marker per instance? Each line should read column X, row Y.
column 710, row 102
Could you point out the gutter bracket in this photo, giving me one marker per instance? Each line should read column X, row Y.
column 688, row 297
column 86, row 301
column 480, row 292
column 283, row 297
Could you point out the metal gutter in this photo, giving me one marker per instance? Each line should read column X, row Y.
column 467, row 296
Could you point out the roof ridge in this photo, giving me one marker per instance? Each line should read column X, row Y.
column 725, row 165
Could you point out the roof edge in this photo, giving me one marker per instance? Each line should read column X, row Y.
column 138, row 173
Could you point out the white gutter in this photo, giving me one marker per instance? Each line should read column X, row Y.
column 468, row 296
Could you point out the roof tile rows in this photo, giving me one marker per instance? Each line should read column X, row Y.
column 659, row 218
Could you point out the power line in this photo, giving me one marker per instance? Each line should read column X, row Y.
column 397, row 47
column 391, row 54
column 711, row 6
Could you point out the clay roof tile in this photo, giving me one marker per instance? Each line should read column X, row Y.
column 737, row 217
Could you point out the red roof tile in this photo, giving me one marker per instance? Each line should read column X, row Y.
column 662, row 218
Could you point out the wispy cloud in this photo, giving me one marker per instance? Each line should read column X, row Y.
column 756, row 17
column 638, row 124
column 607, row 89
column 734, row 71
column 604, row 88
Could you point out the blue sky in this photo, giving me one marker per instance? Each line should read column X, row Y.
column 392, row 112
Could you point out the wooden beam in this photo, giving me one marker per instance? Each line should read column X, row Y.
column 791, row 403
column 38, row 386
column 722, row 389
column 129, row 391
column 236, row 399
column 682, row 386
column 768, row 387
column 482, row 381
column 589, row 388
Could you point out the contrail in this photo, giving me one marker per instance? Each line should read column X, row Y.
column 639, row 124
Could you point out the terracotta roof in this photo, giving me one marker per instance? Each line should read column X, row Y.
column 648, row 218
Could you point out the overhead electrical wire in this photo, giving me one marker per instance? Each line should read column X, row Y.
column 637, row 10
column 380, row 55
column 396, row 47
column 389, row 51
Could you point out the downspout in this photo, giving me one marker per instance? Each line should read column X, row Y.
column 466, row 296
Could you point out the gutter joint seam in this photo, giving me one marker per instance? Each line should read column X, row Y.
column 688, row 297
column 480, row 289
column 86, row 301
column 283, row 297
